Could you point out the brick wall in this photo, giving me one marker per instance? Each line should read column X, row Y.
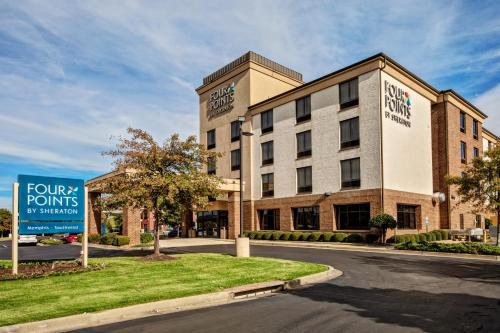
column 132, row 224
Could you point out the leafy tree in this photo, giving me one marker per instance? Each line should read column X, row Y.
column 163, row 178
column 383, row 222
column 480, row 183
column 5, row 221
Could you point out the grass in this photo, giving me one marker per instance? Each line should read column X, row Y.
column 128, row 280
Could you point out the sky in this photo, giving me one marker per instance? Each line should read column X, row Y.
column 75, row 74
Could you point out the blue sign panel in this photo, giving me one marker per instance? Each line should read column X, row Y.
column 50, row 199
column 36, row 228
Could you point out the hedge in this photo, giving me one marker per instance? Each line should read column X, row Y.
column 295, row 236
column 466, row 247
column 305, row 236
column 338, row 237
column 286, row 236
column 316, row 237
column 94, row 238
column 372, row 238
column 354, row 238
column 327, row 236
column 432, row 236
column 51, row 241
column 108, row 239
column 121, row 240
column 146, row 238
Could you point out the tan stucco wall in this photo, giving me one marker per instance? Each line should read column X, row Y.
column 407, row 151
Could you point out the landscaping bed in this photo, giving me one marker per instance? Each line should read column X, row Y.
column 315, row 236
column 126, row 281
column 466, row 247
column 32, row 270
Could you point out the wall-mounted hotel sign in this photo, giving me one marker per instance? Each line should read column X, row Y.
column 398, row 102
column 221, row 100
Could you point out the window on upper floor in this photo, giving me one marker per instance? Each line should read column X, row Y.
column 475, row 129
column 303, row 109
column 463, row 152
column 266, row 121
column 211, row 139
column 211, row 166
column 268, row 185
column 235, row 131
column 349, row 133
column 304, row 180
column 462, row 122
column 267, row 153
column 350, row 173
column 475, row 152
column 349, row 93
column 304, row 144
column 235, row 159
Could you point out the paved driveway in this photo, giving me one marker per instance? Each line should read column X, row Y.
column 377, row 293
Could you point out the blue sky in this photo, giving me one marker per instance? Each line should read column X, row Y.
column 75, row 74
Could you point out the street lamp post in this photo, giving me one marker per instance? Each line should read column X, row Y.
column 242, row 243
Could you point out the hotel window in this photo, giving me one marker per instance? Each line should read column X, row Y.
column 462, row 224
column 268, row 185
column 211, row 166
column 352, row 217
column 349, row 93
column 303, row 109
column 306, row 218
column 350, row 173
column 304, row 180
column 407, row 217
column 211, row 139
column 266, row 121
column 267, row 153
column 478, row 221
column 269, row 219
column 462, row 122
column 235, row 131
column 463, row 152
column 304, row 144
column 235, row 159
column 475, row 128
column 475, row 152
column 349, row 133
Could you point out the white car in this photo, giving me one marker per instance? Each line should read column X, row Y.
column 27, row 240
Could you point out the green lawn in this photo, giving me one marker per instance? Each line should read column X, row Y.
column 127, row 281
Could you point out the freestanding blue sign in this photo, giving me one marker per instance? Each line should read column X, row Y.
column 50, row 205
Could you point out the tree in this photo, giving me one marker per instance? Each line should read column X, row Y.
column 383, row 222
column 480, row 183
column 165, row 179
column 5, row 221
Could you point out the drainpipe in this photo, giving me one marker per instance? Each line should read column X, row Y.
column 381, row 139
column 448, row 189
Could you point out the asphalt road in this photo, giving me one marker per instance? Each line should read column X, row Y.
column 377, row 293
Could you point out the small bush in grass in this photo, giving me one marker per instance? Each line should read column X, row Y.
column 327, row 236
column 146, row 238
column 354, row 238
column 94, row 238
column 276, row 235
column 316, row 237
column 372, row 238
column 338, row 237
column 121, row 240
column 295, row 236
column 51, row 241
column 305, row 236
column 286, row 236
column 108, row 239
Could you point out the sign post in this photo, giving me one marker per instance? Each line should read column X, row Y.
column 15, row 226
column 85, row 238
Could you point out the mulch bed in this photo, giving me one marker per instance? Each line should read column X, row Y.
column 161, row 257
column 34, row 270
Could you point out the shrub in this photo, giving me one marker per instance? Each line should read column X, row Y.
column 94, row 238
column 422, row 238
column 445, row 235
column 252, row 234
column 286, row 236
column 305, row 236
column 327, row 236
column 372, row 238
column 146, row 238
column 246, row 233
column 295, row 236
column 437, row 234
column 258, row 235
column 354, row 238
column 108, row 239
column 432, row 237
column 383, row 222
column 79, row 238
column 51, row 241
column 427, row 236
column 121, row 240
column 316, row 237
column 267, row 235
column 467, row 247
column 276, row 235
column 338, row 237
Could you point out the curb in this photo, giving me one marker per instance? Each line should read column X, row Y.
column 360, row 248
column 231, row 295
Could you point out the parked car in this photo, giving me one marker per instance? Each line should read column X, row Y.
column 175, row 233
column 70, row 238
column 27, row 240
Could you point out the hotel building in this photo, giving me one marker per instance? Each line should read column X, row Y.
column 332, row 153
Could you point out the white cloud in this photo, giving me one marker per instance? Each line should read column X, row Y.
column 6, row 202
column 489, row 104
